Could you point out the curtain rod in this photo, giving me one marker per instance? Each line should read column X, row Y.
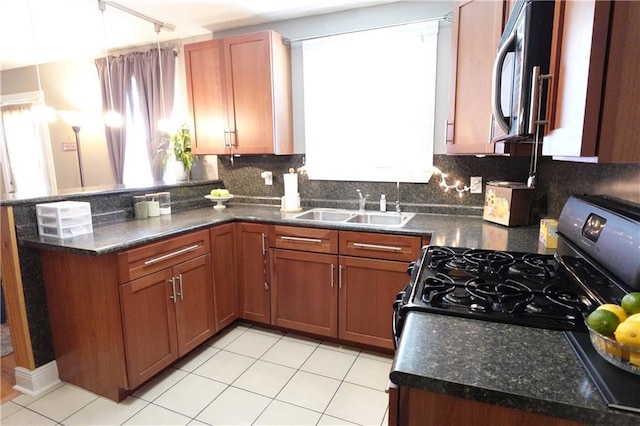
column 157, row 24
column 446, row 17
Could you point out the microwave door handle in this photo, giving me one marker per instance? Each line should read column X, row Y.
column 497, row 82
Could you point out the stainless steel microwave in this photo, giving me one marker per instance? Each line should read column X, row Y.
column 523, row 54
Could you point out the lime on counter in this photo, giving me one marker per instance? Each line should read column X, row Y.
column 616, row 309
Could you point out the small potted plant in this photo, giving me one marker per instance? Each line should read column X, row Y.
column 177, row 152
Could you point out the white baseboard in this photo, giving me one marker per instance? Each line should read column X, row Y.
column 35, row 382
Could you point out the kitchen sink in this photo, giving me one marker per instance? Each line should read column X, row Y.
column 325, row 215
column 385, row 219
column 353, row 217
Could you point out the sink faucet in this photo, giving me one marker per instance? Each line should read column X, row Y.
column 398, row 198
column 362, row 201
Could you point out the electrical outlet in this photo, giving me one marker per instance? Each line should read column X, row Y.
column 476, row 185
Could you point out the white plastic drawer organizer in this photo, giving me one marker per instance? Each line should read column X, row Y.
column 64, row 219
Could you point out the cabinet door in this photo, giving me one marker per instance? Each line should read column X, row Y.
column 149, row 322
column 259, row 93
column 253, row 272
column 368, row 288
column 206, row 96
column 225, row 288
column 476, row 31
column 194, row 307
column 304, row 291
column 590, row 52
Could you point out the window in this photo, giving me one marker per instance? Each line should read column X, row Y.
column 369, row 104
column 25, row 154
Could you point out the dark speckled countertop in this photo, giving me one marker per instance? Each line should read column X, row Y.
column 513, row 366
column 509, row 365
column 461, row 231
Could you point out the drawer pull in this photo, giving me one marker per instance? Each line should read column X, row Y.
column 170, row 255
column 376, row 247
column 301, row 239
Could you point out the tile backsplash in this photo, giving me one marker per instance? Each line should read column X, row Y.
column 556, row 181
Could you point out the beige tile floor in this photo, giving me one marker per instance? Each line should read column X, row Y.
column 247, row 375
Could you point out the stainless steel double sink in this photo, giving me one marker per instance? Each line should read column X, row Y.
column 354, row 217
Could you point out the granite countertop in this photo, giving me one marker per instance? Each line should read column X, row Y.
column 509, row 365
column 461, row 231
column 514, row 366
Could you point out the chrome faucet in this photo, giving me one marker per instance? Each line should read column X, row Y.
column 398, row 198
column 362, row 201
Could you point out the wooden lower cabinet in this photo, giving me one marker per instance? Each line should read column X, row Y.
column 368, row 288
column 411, row 406
column 304, row 291
column 118, row 319
column 150, row 330
column 253, row 272
column 166, row 315
column 225, row 287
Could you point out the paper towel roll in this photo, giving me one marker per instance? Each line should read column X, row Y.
column 291, row 184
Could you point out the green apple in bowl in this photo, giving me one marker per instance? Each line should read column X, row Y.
column 220, row 192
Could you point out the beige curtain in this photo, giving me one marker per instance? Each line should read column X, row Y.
column 24, row 143
column 144, row 67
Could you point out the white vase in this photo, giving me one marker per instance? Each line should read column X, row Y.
column 179, row 172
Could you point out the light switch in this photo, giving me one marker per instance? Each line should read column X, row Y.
column 476, row 185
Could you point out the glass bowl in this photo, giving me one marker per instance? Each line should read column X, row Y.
column 622, row 356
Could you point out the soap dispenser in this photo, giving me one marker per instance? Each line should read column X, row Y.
column 383, row 203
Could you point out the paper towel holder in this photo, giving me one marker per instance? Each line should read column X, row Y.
column 268, row 177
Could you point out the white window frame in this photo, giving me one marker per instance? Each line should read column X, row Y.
column 393, row 140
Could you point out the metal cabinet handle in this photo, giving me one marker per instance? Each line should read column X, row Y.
column 446, row 131
column 173, row 286
column 492, row 121
column 264, row 244
column 233, row 140
column 533, row 110
column 333, row 271
column 181, row 294
column 340, row 277
column 376, row 247
column 170, row 255
column 301, row 239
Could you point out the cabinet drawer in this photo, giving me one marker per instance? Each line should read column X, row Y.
column 306, row 239
column 380, row 246
column 141, row 261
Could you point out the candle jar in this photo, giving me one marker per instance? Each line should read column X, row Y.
column 165, row 202
column 153, row 205
column 140, row 207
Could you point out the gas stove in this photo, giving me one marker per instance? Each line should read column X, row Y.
column 511, row 287
column 597, row 262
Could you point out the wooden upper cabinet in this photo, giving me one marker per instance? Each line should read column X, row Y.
column 239, row 92
column 476, row 31
column 594, row 98
column 206, row 96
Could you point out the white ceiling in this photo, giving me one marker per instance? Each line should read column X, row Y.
column 62, row 29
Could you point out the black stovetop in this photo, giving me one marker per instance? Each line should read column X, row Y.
column 511, row 287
